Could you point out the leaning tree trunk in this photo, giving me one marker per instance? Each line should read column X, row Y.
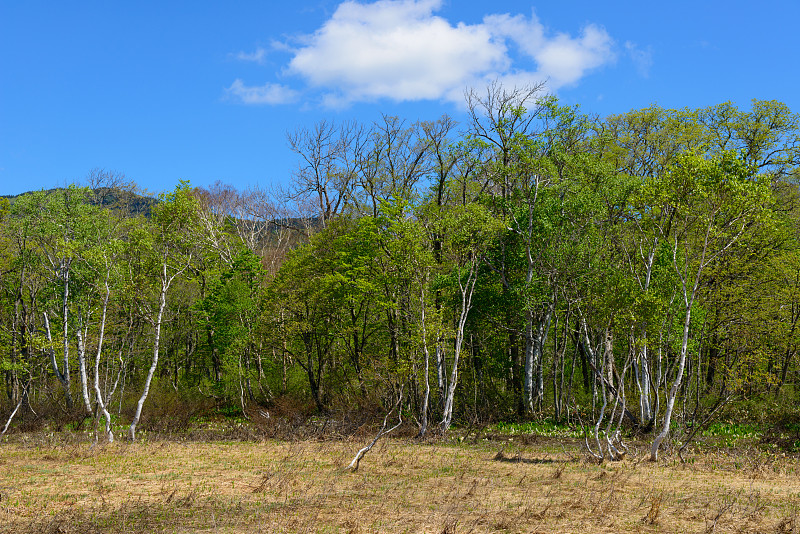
column 353, row 466
column 673, row 392
column 162, row 303
column 467, row 289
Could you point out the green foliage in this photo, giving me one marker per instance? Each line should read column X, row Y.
column 606, row 239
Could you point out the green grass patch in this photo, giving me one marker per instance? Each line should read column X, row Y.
column 733, row 430
column 546, row 428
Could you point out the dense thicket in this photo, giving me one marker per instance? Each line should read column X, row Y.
column 637, row 272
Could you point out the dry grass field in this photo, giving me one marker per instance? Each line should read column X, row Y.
column 51, row 485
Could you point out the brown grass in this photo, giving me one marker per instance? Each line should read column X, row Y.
column 401, row 487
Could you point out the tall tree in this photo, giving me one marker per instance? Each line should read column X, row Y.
column 165, row 248
column 715, row 201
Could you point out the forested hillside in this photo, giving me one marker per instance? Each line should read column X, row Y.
column 639, row 272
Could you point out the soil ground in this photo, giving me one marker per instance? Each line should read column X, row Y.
column 53, row 485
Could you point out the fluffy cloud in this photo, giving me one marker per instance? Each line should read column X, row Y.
column 565, row 60
column 402, row 50
column 397, row 50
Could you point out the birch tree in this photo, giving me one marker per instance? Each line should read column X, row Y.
column 102, row 257
column 468, row 232
column 716, row 201
column 166, row 248
column 60, row 236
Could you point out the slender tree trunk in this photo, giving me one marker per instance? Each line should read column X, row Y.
column 426, row 398
column 87, row 403
column 162, row 304
column 63, row 377
column 530, row 363
column 534, row 352
column 441, row 372
column 688, row 299
column 467, row 288
column 641, row 365
column 101, row 400
column 642, row 368
column 673, row 392
column 22, row 399
column 353, row 466
column 65, row 338
column 608, row 354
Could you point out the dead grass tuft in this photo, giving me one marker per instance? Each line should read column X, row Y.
column 651, row 517
column 787, row 525
column 556, row 475
column 450, row 526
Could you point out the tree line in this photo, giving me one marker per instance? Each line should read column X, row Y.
column 635, row 272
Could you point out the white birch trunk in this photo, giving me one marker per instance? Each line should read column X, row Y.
column 597, row 376
column 65, row 338
column 608, row 355
column 688, row 300
column 383, row 431
column 643, row 383
column 534, row 352
column 162, row 303
column 440, row 369
column 63, row 377
column 87, row 403
column 426, row 398
column 646, row 414
column 65, row 315
column 467, row 289
column 527, row 386
column 22, row 399
column 673, row 392
column 101, row 401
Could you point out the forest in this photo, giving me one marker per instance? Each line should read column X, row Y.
column 633, row 274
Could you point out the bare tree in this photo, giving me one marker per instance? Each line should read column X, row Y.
column 329, row 158
column 267, row 225
column 394, row 161
column 111, row 189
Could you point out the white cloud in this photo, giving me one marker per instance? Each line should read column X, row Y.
column 642, row 59
column 395, row 49
column 270, row 93
column 257, row 57
column 527, row 34
column 565, row 59
column 402, row 50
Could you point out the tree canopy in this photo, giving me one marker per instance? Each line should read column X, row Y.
column 636, row 272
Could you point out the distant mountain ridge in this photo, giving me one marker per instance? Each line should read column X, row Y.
column 130, row 202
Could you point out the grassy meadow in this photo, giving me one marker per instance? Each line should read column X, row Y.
column 62, row 483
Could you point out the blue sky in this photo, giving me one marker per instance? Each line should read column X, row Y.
column 206, row 91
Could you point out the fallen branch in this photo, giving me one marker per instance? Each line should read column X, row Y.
column 354, row 464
